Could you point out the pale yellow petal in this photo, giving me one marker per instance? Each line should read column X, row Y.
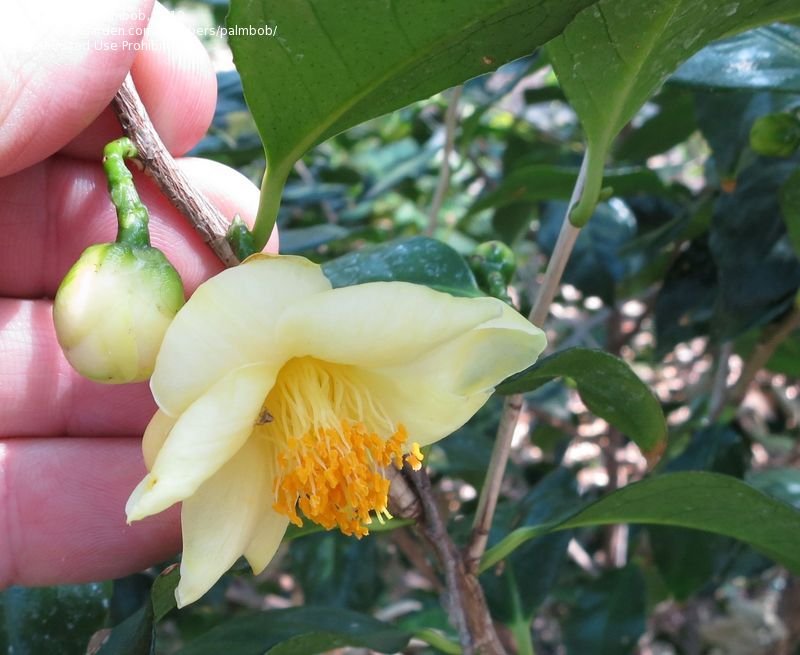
column 427, row 411
column 155, row 435
column 268, row 534
column 479, row 359
column 227, row 323
column 219, row 521
column 205, row 436
column 379, row 324
column 439, row 392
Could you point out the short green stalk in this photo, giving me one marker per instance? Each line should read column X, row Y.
column 268, row 206
column 132, row 215
column 590, row 187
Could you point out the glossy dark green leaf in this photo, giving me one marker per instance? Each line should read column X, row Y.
column 329, row 66
column 298, row 631
column 617, row 53
column 232, row 138
column 535, row 182
column 688, row 559
column 609, row 614
column 305, row 239
column 512, row 221
column 162, row 594
column 607, row 386
column 136, row 635
column 702, row 501
column 419, row 260
column 685, row 303
column 598, row 261
column 338, row 571
column 485, row 91
column 790, row 208
column 52, row 619
column 766, row 59
column 758, row 270
column 465, row 452
column 516, row 591
column 673, row 124
column 730, row 138
column 419, row 160
column 783, row 483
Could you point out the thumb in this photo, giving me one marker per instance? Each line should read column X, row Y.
column 60, row 66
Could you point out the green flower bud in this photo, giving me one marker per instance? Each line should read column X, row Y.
column 113, row 308
column 493, row 264
column 775, row 135
column 497, row 256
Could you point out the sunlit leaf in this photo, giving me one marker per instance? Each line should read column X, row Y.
column 607, row 386
column 419, row 260
column 702, row 501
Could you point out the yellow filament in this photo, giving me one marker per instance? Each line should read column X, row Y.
column 329, row 463
column 335, row 476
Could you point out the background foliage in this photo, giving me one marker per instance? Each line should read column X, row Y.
column 685, row 278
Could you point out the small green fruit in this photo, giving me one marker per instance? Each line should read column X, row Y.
column 113, row 308
column 775, row 135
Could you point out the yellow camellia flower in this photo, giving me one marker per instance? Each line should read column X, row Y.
column 278, row 393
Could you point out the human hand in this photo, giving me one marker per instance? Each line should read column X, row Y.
column 70, row 448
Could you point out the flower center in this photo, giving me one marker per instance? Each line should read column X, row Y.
column 331, row 442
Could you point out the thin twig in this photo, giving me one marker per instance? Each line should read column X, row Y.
column 773, row 337
column 450, row 122
column 487, row 503
column 160, row 165
column 490, row 492
column 466, row 602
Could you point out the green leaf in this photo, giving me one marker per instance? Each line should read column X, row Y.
column 688, row 559
column 329, row 65
column 304, row 239
column 598, row 261
column 609, row 614
column 420, row 260
column 766, row 59
column 702, row 501
column 337, row 571
column 730, row 139
column 616, row 54
column 298, row 631
column 607, row 386
column 162, row 595
column 673, row 124
column 758, row 271
column 52, row 619
column 516, row 592
column 136, row 635
column 790, row 208
column 535, row 182
column 783, row 484
column 685, row 302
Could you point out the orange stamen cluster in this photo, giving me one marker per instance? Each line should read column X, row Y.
column 334, row 475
